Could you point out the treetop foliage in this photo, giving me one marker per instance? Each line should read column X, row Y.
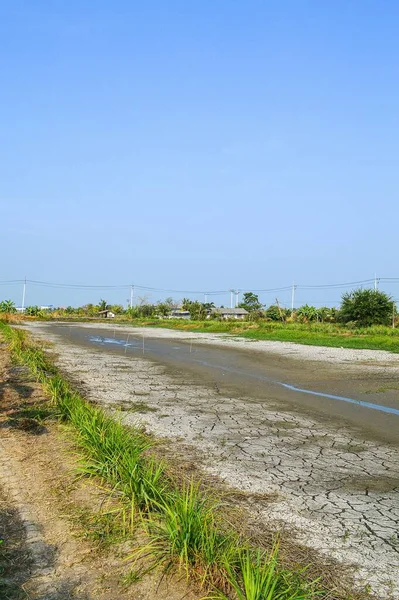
column 367, row 307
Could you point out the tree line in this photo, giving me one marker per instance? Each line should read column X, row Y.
column 360, row 307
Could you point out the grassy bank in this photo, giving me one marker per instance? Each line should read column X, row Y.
column 186, row 529
column 315, row 334
column 333, row 335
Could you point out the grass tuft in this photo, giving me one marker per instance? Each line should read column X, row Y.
column 187, row 531
column 259, row 578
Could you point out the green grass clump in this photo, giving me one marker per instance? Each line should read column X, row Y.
column 112, row 452
column 187, row 531
column 258, row 578
column 186, row 528
column 30, row 355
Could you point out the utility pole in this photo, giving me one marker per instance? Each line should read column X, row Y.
column 393, row 315
column 237, row 297
column 279, row 310
column 231, row 298
column 375, row 282
column 293, row 296
column 131, row 295
column 23, row 295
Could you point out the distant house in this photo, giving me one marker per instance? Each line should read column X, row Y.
column 106, row 314
column 178, row 313
column 230, row 313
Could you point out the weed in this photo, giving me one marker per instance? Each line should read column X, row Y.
column 133, row 576
column 186, row 531
column 258, row 578
column 346, row 535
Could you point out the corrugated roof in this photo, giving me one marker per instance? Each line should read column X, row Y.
column 230, row 311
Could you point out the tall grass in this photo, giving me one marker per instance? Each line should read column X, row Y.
column 186, row 528
column 258, row 578
column 188, row 532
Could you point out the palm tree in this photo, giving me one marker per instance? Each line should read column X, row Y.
column 7, row 306
column 102, row 305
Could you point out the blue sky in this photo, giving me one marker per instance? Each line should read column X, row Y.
column 198, row 145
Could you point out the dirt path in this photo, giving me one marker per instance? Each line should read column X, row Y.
column 334, row 489
column 45, row 554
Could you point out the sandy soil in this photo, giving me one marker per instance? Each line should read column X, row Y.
column 335, row 490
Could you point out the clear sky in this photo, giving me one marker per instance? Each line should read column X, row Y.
column 198, row 145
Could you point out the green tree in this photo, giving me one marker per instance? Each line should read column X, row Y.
column 186, row 303
column 250, row 302
column 208, row 306
column 102, row 305
column 117, row 309
column 7, row 306
column 32, row 311
column 367, row 307
column 307, row 313
column 273, row 313
column 196, row 309
column 145, row 311
column 325, row 314
column 164, row 309
column 89, row 309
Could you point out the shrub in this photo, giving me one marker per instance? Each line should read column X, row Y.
column 273, row 313
column 367, row 307
column 32, row 311
column 306, row 313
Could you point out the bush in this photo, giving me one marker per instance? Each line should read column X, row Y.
column 273, row 313
column 367, row 307
column 32, row 311
column 307, row 314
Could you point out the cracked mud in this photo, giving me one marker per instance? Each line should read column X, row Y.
column 337, row 483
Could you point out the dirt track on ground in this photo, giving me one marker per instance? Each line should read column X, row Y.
column 335, row 487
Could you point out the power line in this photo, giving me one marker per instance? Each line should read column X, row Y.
column 75, row 286
column 335, row 285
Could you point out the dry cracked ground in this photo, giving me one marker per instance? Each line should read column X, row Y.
column 334, row 488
